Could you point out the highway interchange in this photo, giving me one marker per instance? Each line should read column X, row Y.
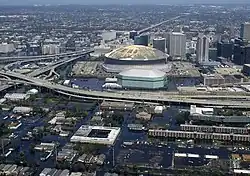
column 215, row 100
column 240, row 101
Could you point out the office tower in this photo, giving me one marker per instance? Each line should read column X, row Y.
column 177, row 45
column 142, row 40
column 245, row 31
column 241, row 52
column 239, row 55
column 225, row 49
column 212, row 54
column 247, row 54
column 202, row 49
column 133, row 34
column 51, row 49
column 160, row 44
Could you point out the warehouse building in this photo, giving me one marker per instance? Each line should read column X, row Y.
column 214, row 129
column 199, row 135
column 142, row 79
column 22, row 110
column 16, row 96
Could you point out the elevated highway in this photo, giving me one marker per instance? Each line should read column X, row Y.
column 19, row 58
column 215, row 100
column 47, row 57
column 158, row 24
column 53, row 66
column 74, row 55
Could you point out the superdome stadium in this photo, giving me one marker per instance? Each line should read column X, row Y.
column 135, row 56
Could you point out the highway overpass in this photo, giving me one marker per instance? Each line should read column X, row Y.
column 158, row 24
column 234, row 101
column 68, row 54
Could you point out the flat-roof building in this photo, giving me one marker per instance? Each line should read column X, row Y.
column 96, row 134
column 214, row 79
column 22, row 110
column 16, row 96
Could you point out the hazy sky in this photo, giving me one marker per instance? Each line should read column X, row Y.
column 30, row 2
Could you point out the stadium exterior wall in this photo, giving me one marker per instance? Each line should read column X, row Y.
column 143, row 83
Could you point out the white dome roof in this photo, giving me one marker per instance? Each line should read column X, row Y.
column 144, row 73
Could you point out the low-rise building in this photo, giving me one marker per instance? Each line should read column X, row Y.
column 22, row 110
column 32, row 92
column 111, row 105
column 59, row 116
column 199, row 135
column 214, row 79
column 96, row 134
column 214, row 129
column 91, row 159
column 45, row 147
column 54, row 172
column 135, row 127
column 66, row 155
column 12, row 169
column 194, row 110
column 16, row 96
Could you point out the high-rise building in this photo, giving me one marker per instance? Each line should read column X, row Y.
column 177, row 45
column 142, row 39
column 241, row 52
column 212, row 53
column 202, row 49
column 247, row 54
column 160, row 44
column 239, row 55
column 225, row 49
column 245, row 31
column 133, row 34
column 50, row 49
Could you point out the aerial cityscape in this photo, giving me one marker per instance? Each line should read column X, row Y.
column 124, row 90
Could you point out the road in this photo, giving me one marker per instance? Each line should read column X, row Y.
column 158, row 24
column 43, row 70
column 53, row 66
column 42, row 56
column 218, row 100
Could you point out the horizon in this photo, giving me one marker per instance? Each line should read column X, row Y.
column 121, row 2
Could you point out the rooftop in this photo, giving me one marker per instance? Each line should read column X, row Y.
column 96, row 134
column 136, row 52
